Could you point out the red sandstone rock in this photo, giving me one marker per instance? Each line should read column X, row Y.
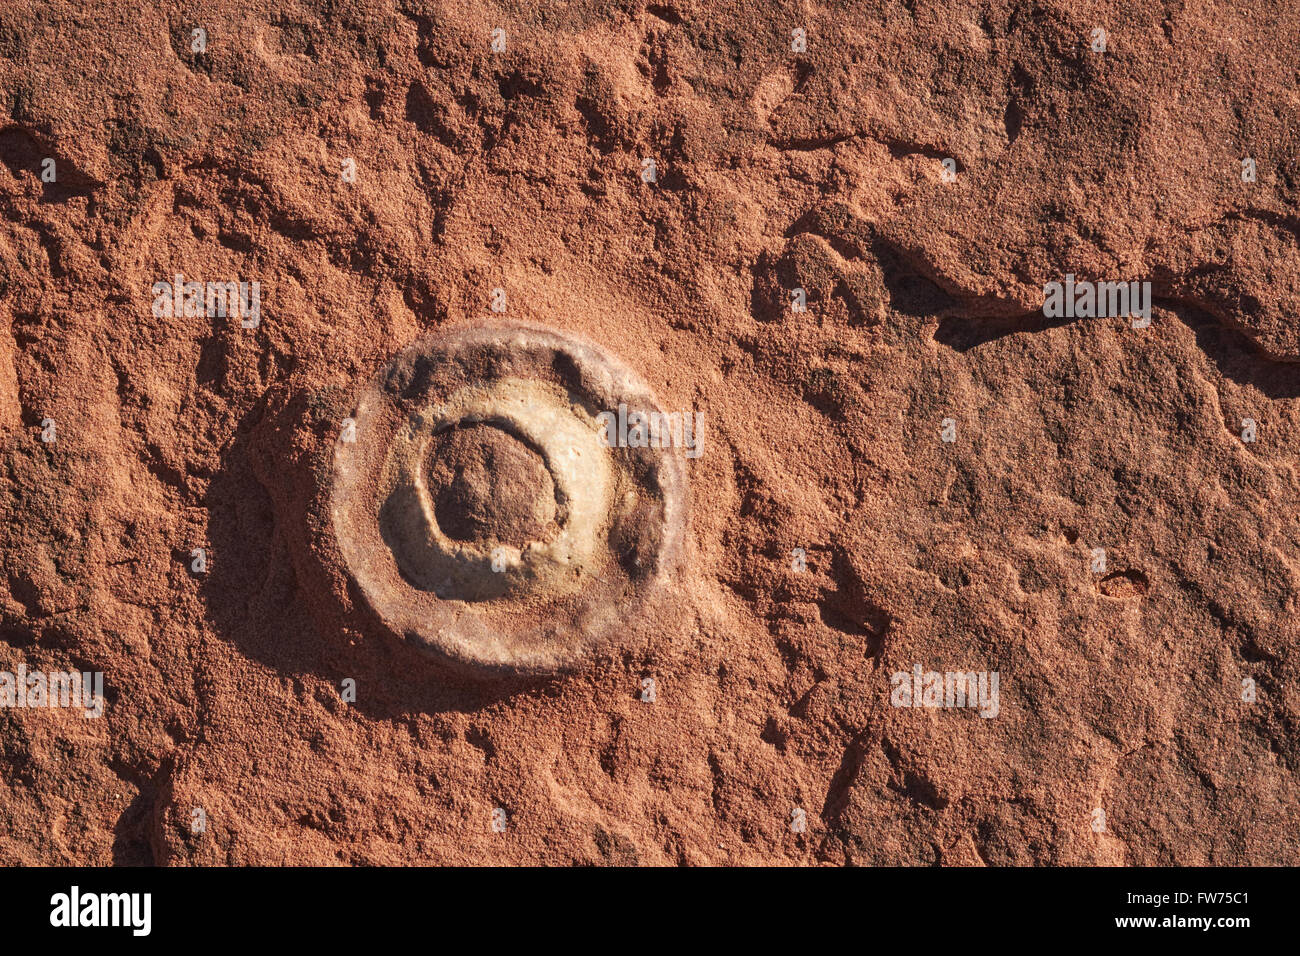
column 1120, row 690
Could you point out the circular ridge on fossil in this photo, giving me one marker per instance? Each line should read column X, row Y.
column 480, row 512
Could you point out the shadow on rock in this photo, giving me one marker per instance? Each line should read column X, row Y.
column 270, row 591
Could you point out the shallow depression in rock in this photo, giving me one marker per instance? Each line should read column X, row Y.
column 490, row 487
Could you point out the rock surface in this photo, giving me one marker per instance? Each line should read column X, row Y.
column 1121, row 690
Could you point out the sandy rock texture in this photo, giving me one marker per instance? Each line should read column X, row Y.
column 1121, row 690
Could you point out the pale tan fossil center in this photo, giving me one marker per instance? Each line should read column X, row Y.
column 578, row 466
